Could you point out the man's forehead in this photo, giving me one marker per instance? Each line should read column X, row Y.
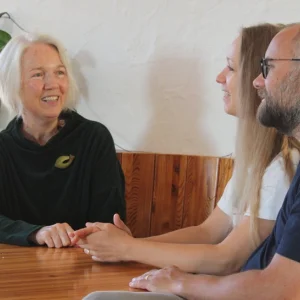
column 282, row 44
column 278, row 49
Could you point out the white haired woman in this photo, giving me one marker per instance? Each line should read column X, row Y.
column 58, row 170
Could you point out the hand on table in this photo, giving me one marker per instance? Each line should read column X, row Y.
column 104, row 241
column 81, row 234
column 54, row 236
column 165, row 280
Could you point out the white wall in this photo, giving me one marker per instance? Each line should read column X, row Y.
column 147, row 68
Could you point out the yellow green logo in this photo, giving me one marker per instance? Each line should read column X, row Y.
column 64, row 161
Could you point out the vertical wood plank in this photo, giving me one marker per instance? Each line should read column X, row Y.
column 168, row 193
column 224, row 174
column 200, row 189
column 139, row 173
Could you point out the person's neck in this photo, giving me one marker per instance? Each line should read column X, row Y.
column 39, row 131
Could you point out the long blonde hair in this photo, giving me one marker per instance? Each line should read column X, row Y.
column 256, row 145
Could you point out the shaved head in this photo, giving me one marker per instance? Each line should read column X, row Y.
column 290, row 37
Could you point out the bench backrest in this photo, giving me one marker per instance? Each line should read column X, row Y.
column 167, row 192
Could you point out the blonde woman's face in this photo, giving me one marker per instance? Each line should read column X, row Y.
column 227, row 78
column 44, row 83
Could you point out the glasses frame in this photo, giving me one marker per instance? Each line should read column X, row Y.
column 264, row 64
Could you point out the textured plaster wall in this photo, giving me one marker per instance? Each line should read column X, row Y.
column 147, row 68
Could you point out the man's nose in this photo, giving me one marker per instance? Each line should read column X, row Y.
column 259, row 82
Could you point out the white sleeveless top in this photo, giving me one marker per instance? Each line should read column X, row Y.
column 275, row 184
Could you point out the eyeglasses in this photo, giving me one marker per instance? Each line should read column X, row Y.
column 265, row 67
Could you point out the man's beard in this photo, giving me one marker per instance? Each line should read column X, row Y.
column 273, row 113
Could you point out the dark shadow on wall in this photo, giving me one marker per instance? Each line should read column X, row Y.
column 176, row 124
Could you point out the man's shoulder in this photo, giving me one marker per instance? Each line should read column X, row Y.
column 295, row 185
column 292, row 199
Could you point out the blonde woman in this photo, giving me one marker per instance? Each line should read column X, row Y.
column 246, row 213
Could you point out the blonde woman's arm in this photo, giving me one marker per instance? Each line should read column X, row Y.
column 212, row 231
column 229, row 255
column 110, row 244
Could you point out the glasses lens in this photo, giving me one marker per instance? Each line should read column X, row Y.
column 265, row 68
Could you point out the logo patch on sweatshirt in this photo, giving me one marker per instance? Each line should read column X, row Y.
column 64, row 161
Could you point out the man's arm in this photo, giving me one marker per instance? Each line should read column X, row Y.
column 279, row 281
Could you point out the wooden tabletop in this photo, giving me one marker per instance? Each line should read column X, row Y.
column 28, row 273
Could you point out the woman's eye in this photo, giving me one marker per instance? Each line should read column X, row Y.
column 230, row 68
column 37, row 74
column 60, row 72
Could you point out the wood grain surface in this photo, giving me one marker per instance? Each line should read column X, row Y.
column 42, row 273
column 167, row 192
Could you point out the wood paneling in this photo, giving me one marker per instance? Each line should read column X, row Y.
column 139, row 174
column 200, row 189
column 167, row 192
column 224, row 174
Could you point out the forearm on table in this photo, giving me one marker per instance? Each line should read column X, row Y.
column 208, row 259
column 212, row 231
column 189, row 235
column 246, row 286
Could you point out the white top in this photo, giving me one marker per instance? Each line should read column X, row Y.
column 275, row 184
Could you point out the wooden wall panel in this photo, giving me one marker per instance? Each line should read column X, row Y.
column 168, row 193
column 200, row 191
column 139, row 173
column 224, row 174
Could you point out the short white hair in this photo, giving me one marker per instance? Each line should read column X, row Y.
column 10, row 70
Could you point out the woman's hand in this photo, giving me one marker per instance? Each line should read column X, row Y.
column 54, row 236
column 81, row 234
column 121, row 225
column 166, row 280
column 105, row 242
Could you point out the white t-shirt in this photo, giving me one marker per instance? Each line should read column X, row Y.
column 275, row 184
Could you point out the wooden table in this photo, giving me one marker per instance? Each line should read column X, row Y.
column 28, row 273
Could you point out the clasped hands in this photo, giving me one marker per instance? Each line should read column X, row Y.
column 98, row 239
column 107, row 242
column 104, row 242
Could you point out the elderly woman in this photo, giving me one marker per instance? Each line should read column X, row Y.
column 58, row 170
